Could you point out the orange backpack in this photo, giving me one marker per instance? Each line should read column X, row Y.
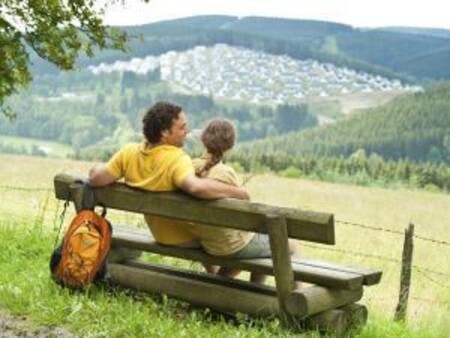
column 81, row 258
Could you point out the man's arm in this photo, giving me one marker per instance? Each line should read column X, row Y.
column 99, row 176
column 210, row 189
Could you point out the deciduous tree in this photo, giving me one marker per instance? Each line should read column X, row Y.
column 56, row 30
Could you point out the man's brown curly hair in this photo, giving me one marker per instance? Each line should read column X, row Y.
column 158, row 118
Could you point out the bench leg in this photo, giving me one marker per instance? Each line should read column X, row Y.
column 281, row 257
column 120, row 254
column 339, row 321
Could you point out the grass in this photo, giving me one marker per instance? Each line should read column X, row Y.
column 25, row 288
column 351, row 103
column 29, row 222
column 52, row 149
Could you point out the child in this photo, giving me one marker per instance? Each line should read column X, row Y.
column 218, row 137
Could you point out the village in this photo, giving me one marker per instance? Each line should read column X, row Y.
column 225, row 72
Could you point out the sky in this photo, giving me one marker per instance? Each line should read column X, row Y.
column 358, row 13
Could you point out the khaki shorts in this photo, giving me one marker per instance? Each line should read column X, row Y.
column 258, row 247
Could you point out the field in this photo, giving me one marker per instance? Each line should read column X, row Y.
column 369, row 223
column 353, row 102
column 51, row 149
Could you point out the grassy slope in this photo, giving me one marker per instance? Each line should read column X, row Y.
column 26, row 289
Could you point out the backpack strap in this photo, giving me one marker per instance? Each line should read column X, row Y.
column 87, row 196
column 87, row 201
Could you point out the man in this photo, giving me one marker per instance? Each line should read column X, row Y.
column 159, row 164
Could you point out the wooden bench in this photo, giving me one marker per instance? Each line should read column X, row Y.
column 327, row 304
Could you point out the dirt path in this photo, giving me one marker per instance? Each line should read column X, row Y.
column 21, row 327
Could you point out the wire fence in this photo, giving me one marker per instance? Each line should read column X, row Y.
column 52, row 209
column 393, row 231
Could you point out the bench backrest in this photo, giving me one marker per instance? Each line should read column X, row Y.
column 244, row 215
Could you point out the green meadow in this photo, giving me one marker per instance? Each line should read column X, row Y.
column 49, row 148
column 368, row 220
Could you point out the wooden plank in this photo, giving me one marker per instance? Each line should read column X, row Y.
column 296, row 304
column 319, row 299
column 302, row 302
column 370, row 276
column 306, row 225
column 219, row 297
column 282, row 268
column 141, row 239
column 203, row 277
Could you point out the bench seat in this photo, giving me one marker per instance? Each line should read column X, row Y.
column 311, row 271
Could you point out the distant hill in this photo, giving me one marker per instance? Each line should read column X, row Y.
column 382, row 52
column 432, row 64
column 434, row 32
column 414, row 127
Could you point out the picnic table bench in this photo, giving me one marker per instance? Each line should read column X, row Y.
column 326, row 303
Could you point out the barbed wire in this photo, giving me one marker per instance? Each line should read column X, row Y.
column 364, row 226
column 432, row 279
column 378, row 298
column 392, row 231
column 431, row 301
column 432, row 240
column 355, row 253
column 379, row 257
column 15, row 188
column 19, row 216
column 423, row 270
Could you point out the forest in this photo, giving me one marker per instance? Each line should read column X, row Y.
column 414, row 127
column 104, row 111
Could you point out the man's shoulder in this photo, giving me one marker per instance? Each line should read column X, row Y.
column 130, row 147
column 172, row 152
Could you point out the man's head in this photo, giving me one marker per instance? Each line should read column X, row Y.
column 165, row 123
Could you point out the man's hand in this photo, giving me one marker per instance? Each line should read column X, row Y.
column 99, row 176
column 210, row 189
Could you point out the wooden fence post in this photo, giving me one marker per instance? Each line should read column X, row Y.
column 405, row 278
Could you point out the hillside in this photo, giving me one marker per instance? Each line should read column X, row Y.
column 414, row 127
column 376, row 51
column 435, row 32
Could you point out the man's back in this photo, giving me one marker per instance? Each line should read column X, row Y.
column 160, row 168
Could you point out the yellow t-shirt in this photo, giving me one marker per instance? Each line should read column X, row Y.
column 162, row 168
column 215, row 240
